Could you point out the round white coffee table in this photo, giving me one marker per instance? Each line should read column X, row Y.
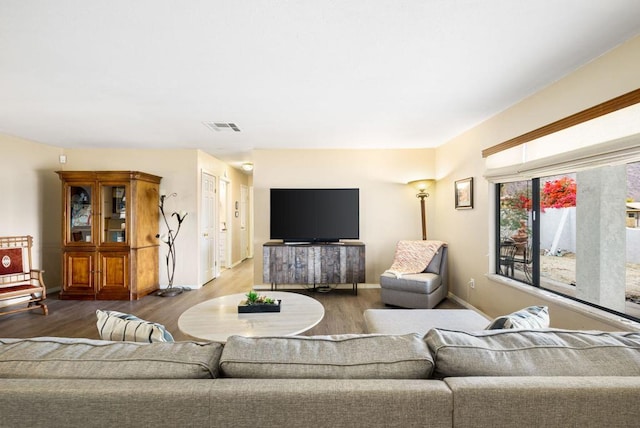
column 218, row 318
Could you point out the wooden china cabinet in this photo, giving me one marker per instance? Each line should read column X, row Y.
column 109, row 225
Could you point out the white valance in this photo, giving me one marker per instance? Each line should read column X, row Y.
column 616, row 152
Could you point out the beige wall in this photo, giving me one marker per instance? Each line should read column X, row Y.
column 180, row 171
column 177, row 169
column 389, row 210
column 31, row 200
column 469, row 232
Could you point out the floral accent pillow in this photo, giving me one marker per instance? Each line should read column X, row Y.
column 531, row 317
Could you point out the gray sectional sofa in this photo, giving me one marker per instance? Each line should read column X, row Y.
column 447, row 378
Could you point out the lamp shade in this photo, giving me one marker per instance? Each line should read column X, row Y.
column 422, row 185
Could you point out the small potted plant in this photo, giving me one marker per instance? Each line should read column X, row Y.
column 258, row 303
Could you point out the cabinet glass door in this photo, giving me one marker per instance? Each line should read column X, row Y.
column 80, row 213
column 114, row 213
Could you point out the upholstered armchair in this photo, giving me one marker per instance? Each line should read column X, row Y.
column 417, row 284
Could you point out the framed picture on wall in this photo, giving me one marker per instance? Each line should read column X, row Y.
column 464, row 194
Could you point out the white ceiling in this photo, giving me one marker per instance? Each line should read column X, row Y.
column 289, row 74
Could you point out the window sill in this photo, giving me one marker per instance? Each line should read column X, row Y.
column 616, row 322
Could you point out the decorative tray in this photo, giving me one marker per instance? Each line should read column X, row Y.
column 243, row 308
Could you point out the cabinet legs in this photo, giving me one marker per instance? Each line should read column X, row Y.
column 274, row 287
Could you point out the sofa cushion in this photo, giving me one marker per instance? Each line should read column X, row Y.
column 349, row 356
column 404, row 321
column 545, row 352
column 531, row 317
column 114, row 325
column 422, row 283
column 57, row 357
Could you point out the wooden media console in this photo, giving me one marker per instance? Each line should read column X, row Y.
column 314, row 263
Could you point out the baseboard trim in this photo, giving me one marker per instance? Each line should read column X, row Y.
column 466, row 304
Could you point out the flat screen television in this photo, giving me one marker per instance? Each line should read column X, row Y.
column 315, row 215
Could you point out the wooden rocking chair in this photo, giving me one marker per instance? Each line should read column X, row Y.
column 20, row 284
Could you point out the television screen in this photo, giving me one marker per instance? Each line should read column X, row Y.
column 315, row 215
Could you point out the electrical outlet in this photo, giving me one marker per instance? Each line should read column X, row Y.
column 472, row 283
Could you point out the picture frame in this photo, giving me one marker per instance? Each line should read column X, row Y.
column 464, row 193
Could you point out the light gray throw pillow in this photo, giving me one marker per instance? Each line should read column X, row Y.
column 531, row 317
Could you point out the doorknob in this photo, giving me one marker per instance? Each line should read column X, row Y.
column 206, row 234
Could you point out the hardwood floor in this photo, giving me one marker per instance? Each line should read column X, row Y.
column 75, row 318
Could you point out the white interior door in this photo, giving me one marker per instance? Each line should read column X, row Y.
column 208, row 228
column 224, row 224
column 251, row 227
column 244, row 223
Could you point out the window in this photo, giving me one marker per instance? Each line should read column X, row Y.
column 515, row 230
column 575, row 233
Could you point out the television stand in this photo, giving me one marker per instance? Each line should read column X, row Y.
column 314, row 263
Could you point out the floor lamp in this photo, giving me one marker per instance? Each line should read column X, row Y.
column 422, row 186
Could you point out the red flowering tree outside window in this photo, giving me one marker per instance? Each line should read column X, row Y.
column 559, row 193
column 515, row 204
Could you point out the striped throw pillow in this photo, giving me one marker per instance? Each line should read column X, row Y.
column 113, row 325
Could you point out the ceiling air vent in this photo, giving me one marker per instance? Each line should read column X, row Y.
column 222, row 126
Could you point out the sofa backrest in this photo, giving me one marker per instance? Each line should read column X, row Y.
column 441, row 353
column 59, row 357
column 347, row 356
column 542, row 352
